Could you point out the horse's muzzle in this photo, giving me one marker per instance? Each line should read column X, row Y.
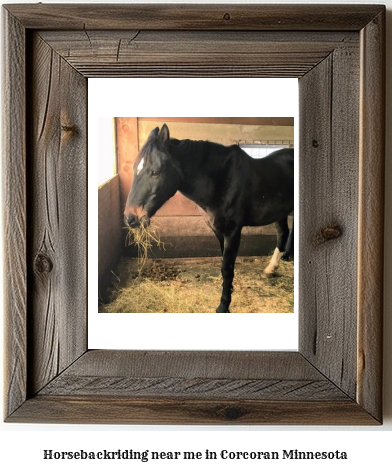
column 132, row 220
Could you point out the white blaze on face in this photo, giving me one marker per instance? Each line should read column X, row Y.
column 140, row 166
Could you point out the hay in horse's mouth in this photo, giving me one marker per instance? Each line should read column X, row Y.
column 143, row 237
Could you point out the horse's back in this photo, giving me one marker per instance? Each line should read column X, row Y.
column 282, row 160
column 276, row 169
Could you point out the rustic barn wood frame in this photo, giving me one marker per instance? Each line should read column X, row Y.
column 337, row 52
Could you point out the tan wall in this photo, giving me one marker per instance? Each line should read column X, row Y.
column 220, row 133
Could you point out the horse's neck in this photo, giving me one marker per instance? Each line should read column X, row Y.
column 187, row 152
column 201, row 162
column 190, row 155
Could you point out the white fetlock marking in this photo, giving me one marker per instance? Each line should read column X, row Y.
column 274, row 263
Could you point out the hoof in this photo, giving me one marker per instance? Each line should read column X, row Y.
column 222, row 309
column 270, row 275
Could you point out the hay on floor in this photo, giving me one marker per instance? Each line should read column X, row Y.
column 194, row 286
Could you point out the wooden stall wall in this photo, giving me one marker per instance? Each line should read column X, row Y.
column 182, row 225
column 110, row 242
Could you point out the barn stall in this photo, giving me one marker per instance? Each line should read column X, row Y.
column 182, row 273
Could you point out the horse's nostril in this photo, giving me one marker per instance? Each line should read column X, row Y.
column 131, row 220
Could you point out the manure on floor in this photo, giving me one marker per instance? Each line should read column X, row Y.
column 193, row 285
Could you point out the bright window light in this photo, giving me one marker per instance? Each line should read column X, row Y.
column 261, row 151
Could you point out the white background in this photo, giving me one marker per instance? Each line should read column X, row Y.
column 368, row 448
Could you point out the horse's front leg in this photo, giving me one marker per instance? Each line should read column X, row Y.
column 230, row 249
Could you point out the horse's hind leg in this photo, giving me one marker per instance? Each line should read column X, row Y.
column 283, row 234
column 221, row 239
column 230, row 249
column 289, row 250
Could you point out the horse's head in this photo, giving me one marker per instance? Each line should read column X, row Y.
column 156, row 178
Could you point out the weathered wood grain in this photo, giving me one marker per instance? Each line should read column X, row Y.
column 329, row 197
column 14, row 212
column 123, row 410
column 57, row 212
column 56, row 239
column 371, row 216
column 207, row 364
column 193, row 17
column 141, row 70
column 129, row 53
column 188, row 387
column 208, row 374
column 193, row 387
column 120, row 45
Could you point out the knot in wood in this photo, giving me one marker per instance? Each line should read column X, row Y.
column 232, row 412
column 227, row 16
column 43, row 264
column 68, row 128
column 328, row 233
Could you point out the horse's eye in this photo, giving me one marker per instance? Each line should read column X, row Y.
column 154, row 174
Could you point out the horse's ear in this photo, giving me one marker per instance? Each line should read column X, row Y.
column 153, row 133
column 164, row 136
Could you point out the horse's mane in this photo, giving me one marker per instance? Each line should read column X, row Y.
column 185, row 147
column 200, row 147
column 147, row 148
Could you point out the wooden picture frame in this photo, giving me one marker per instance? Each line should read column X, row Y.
column 338, row 54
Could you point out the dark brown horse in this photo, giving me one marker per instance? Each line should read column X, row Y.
column 234, row 190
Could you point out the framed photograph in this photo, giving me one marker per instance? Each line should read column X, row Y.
column 337, row 53
column 171, row 261
column 183, row 271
